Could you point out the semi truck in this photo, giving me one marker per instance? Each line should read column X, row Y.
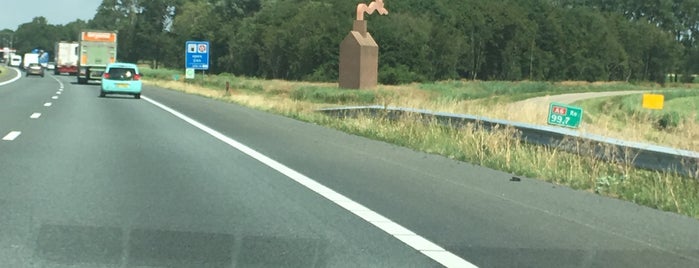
column 66, row 58
column 96, row 50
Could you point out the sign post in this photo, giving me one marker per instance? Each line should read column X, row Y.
column 564, row 115
column 196, row 57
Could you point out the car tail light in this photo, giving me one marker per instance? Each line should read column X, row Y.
column 105, row 75
column 137, row 77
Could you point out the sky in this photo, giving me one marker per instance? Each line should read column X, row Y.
column 16, row 12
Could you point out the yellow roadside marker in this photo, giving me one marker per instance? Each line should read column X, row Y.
column 653, row 101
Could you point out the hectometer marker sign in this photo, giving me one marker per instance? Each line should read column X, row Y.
column 565, row 115
column 197, row 55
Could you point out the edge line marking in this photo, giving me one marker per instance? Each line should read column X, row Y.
column 59, row 82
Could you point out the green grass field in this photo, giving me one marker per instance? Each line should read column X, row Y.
column 679, row 106
column 3, row 72
column 676, row 125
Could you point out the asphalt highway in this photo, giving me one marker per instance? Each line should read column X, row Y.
column 175, row 180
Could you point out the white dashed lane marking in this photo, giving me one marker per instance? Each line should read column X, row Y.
column 54, row 97
column 35, row 115
column 47, row 104
column 12, row 135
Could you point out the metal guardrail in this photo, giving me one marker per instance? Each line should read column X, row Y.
column 640, row 155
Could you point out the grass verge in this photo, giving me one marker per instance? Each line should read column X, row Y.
column 677, row 125
column 499, row 149
column 3, row 73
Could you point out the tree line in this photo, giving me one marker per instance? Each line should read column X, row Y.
column 551, row 40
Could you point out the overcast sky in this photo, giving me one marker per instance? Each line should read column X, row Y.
column 16, row 12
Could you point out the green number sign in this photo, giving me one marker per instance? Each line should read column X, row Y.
column 565, row 115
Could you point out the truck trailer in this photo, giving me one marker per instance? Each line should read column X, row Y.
column 96, row 50
column 66, row 58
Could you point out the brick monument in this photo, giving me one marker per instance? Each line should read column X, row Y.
column 359, row 53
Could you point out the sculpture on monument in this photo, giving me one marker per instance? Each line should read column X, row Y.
column 359, row 53
column 373, row 6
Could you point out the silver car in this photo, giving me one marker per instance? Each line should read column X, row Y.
column 35, row 69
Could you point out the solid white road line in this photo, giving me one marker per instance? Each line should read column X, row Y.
column 401, row 233
column 35, row 115
column 47, row 104
column 12, row 135
column 60, row 88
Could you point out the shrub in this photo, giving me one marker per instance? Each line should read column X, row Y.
column 333, row 95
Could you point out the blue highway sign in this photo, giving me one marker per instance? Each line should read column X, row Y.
column 197, row 55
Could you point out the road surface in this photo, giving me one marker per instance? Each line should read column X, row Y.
column 175, row 180
column 573, row 97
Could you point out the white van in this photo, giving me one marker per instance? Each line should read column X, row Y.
column 30, row 58
column 15, row 60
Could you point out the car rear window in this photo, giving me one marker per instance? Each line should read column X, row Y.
column 121, row 73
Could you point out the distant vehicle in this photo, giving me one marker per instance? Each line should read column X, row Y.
column 96, row 50
column 66, row 57
column 51, row 65
column 30, row 58
column 15, row 60
column 121, row 78
column 35, row 69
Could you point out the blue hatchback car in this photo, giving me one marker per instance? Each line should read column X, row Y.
column 121, row 78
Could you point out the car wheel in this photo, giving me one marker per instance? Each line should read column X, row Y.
column 137, row 96
column 102, row 94
column 82, row 80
